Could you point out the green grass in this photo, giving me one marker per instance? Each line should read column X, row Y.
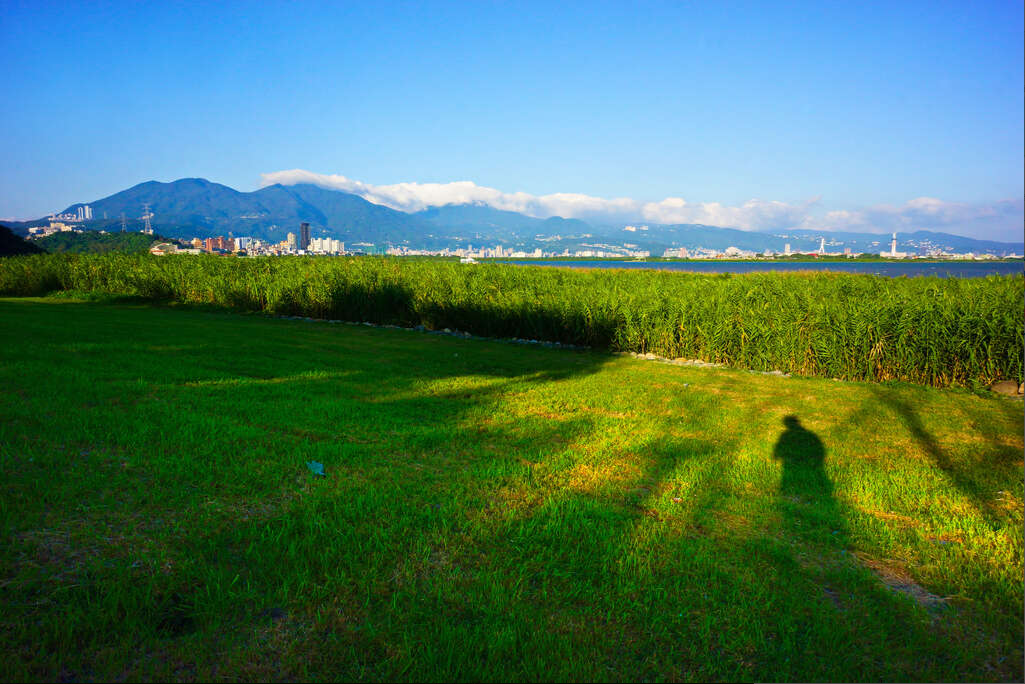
column 934, row 331
column 490, row 511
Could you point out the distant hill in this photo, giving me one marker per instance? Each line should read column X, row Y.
column 91, row 242
column 694, row 236
column 489, row 222
column 195, row 207
column 352, row 218
column 14, row 245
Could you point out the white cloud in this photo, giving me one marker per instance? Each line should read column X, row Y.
column 998, row 221
column 994, row 221
column 754, row 214
column 419, row 196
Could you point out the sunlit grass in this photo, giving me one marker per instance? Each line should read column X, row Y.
column 490, row 511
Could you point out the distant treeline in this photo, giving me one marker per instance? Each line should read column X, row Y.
column 933, row 331
column 91, row 242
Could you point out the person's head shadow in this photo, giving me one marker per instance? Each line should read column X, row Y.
column 798, row 447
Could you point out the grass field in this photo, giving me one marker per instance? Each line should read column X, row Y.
column 489, row 511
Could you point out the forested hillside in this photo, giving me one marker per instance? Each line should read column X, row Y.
column 98, row 243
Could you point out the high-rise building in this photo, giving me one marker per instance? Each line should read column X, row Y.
column 786, row 249
column 326, row 246
column 216, row 243
column 304, row 236
column 893, row 245
column 290, row 240
column 87, row 212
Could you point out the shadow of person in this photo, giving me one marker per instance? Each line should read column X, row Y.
column 805, row 488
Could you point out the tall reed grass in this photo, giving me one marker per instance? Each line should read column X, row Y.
column 926, row 330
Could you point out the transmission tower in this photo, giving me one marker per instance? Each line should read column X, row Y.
column 124, row 226
column 146, row 216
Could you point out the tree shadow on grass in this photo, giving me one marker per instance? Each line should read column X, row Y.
column 771, row 586
column 653, row 579
column 813, row 609
column 973, row 481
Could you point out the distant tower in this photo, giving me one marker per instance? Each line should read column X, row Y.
column 822, row 246
column 124, row 226
column 87, row 212
column 786, row 249
column 304, row 236
column 146, row 216
column 893, row 245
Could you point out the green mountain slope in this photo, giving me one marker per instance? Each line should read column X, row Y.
column 496, row 223
column 196, row 207
column 350, row 217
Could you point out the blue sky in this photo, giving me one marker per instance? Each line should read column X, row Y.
column 843, row 114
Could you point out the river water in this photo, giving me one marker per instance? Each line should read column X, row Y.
column 949, row 269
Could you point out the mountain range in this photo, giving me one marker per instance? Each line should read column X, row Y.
column 195, row 207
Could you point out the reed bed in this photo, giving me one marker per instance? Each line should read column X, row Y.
column 932, row 331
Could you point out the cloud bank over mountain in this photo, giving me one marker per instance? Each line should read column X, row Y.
column 999, row 220
column 996, row 221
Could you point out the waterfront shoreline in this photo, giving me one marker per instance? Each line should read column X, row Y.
column 939, row 268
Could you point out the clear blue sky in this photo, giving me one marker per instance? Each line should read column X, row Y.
column 858, row 104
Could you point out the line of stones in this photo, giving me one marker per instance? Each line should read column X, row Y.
column 697, row 363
